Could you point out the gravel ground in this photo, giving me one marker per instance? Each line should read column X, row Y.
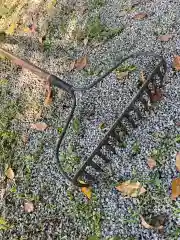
column 60, row 210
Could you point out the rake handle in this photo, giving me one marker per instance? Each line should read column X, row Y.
column 52, row 79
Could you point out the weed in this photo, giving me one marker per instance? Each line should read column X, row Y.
column 47, row 45
column 70, row 158
column 96, row 4
column 4, row 224
column 60, row 129
column 136, row 148
column 76, row 125
column 174, row 234
column 88, row 212
column 177, row 138
column 126, row 68
column 97, row 31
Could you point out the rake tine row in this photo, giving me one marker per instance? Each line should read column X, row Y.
column 103, row 157
column 113, row 132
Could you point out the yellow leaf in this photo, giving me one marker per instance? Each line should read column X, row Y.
column 87, row 191
column 178, row 161
column 175, row 188
column 10, row 173
column 26, row 30
column 11, row 29
column 131, row 189
column 151, row 163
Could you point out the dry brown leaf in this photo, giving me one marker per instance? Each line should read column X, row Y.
column 10, row 173
column 28, row 207
column 148, row 226
column 176, row 63
column 142, row 77
column 151, row 163
column 178, row 124
column 165, row 38
column 178, row 161
column 157, row 96
column 175, row 188
column 49, row 97
column 140, row 16
column 40, row 126
column 131, row 189
column 81, row 63
column 25, row 138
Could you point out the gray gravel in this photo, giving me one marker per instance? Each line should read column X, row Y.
column 61, row 211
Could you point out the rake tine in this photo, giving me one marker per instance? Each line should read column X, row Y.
column 95, row 166
column 144, row 102
column 148, row 91
column 101, row 155
column 110, row 147
column 130, row 119
column 116, row 136
column 123, row 127
column 159, row 73
column 89, row 177
column 138, row 113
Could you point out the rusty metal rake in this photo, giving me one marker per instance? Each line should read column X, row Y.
column 154, row 81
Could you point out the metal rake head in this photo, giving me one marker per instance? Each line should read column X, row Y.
column 146, row 91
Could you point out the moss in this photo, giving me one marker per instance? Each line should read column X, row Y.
column 97, row 31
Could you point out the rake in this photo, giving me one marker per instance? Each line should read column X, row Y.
column 151, row 85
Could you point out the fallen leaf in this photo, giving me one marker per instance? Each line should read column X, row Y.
column 140, row 16
column 40, row 126
column 11, row 29
column 178, row 124
column 178, row 161
column 131, row 189
column 157, row 95
column 87, row 192
column 175, row 188
column 10, row 173
column 25, row 138
column 28, row 207
column 121, row 75
column 26, row 30
column 142, row 77
column 79, row 64
column 49, row 97
column 151, row 163
column 72, row 66
column 165, row 38
column 148, row 226
column 176, row 63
